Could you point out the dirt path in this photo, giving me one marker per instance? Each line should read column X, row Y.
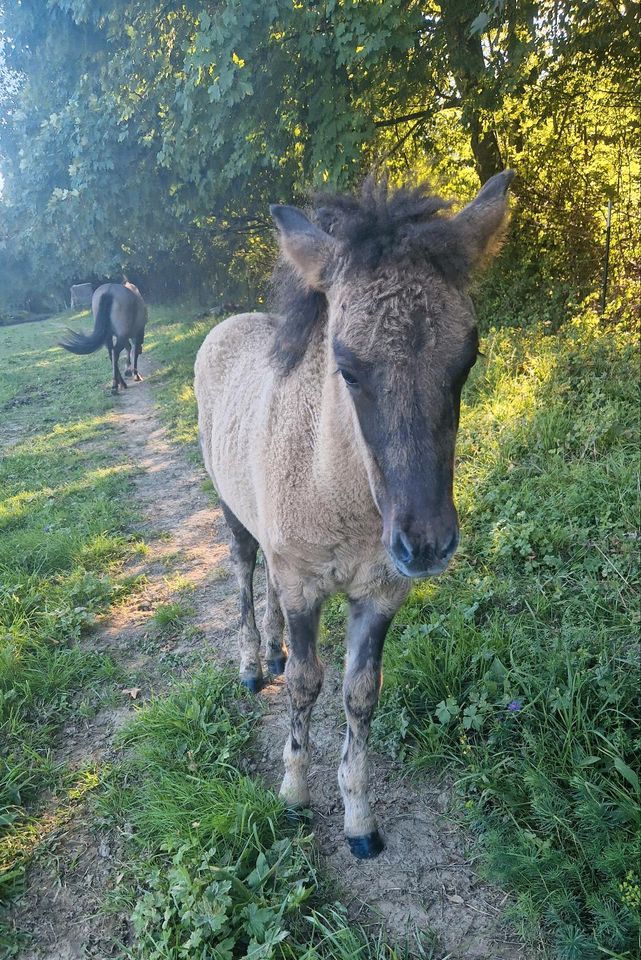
column 423, row 880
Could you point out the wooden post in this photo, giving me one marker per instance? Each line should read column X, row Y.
column 606, row 265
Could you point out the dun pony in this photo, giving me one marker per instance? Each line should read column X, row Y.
column 329, row 429
column 120, row 315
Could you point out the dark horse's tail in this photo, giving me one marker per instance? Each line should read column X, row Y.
column 79, row 342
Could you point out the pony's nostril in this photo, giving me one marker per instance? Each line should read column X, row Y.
column 421, row 554
column 447, row 551
column 401, row 547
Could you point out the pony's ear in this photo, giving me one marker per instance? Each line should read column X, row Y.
column 305, row 245
column 481, row 224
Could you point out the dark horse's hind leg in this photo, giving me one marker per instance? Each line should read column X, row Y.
column 128, row 371
column 115, row 355
column 137, row 351
column 243, row 548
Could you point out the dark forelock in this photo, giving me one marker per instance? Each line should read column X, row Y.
column 379, row 226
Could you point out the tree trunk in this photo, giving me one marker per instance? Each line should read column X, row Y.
column 467, row 65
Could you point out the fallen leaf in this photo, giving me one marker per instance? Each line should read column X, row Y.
column 131, row 692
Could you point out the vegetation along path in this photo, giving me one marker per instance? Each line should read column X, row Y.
column 136, row 815
column 182, row 612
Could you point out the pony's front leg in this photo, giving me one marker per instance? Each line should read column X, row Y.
column 366, row 632
column 304, row 678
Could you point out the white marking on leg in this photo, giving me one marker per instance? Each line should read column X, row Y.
column 304, row 680
column 360, row 691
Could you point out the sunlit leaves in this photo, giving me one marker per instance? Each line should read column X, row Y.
column 159, row 119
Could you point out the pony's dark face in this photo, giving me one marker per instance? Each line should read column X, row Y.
column 403, row 345
column 388, row 274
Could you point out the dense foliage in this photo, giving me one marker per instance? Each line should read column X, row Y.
column 149, row 137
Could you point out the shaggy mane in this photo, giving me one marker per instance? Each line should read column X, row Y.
column 379, row 226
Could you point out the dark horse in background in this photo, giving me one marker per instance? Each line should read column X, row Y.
column 120, row 315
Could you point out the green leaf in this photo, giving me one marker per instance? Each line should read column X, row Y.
column 446, row 710
column 627, row 772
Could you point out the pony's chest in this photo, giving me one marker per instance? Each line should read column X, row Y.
column 356, row 568
column 312, row 570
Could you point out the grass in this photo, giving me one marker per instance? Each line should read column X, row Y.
column 171, row 615
column 172, row 342
column 215, row 867
column 517, row 673
column 65, row 513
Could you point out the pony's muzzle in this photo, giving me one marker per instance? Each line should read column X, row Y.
column 422, row 554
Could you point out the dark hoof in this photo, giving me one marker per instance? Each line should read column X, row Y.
column 367, row 847
column 277, row 666
column 128, row 373
column 114, row 391
column 253, row 684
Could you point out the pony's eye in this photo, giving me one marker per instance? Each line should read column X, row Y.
column 349, row 378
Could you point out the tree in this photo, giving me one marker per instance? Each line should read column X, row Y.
column 148, row 136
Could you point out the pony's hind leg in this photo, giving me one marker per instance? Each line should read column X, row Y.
column 304, row 677
column 272, row 629
column 365, row 637
column 128, row 372
column 243, row 549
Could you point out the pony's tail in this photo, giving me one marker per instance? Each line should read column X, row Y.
column 79, row 342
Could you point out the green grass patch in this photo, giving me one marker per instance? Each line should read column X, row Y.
column 216, row 869
column 65, row 519
column 173, row 338
column 171, row 615
column 518, row 672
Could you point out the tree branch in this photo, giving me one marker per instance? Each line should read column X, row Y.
column 418, row 114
